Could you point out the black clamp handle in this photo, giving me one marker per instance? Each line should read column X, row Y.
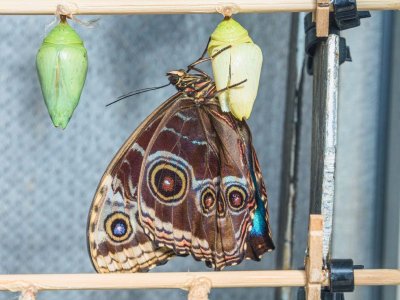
column 341, row 278
column 344, row 16
column 341, row 273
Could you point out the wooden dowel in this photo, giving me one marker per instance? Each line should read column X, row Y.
column 174, row 6
column 231, row 279
column 183, row 280
column 377, row 277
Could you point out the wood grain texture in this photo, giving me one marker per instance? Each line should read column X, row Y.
column 377, row 277
column 315, row 276
column 174, row 6
column 322, row 18
column 181, row 280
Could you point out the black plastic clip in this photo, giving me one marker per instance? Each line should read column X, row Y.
column 341, row 278
column 341, row 274
column 345, row 16
column 301, row 295
column 312, row 41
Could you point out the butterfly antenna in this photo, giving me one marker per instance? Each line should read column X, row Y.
column 137, row 92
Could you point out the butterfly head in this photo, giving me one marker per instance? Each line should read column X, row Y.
column 194, row 85
column 175, row 77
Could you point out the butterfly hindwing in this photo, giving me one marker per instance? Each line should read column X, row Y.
column 197, row 193
column 116, row 240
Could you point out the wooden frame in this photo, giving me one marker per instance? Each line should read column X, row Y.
column 314, row 277
column 174, row 6
column 181, row 280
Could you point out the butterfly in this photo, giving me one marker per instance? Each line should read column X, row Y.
column 187, row 181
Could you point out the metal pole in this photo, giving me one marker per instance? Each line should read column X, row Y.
column 389, row 159
column 324, row 134
column 291, row 149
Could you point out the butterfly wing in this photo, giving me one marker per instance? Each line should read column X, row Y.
column 187, row 181
column 116, row 240
column 259, row 239
column 178, row 167
column 197, row 192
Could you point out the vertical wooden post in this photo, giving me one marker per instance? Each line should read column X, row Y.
column 324, row 134
column 314, row 263
column 199, row 289
column 322, row 17
column 28, row 294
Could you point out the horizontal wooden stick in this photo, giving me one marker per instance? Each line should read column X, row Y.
column 232, row 279
column 151, row 280
column 377, row 277
column 174, row 6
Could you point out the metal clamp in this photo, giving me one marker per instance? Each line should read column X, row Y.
column 341, row 280
column 341, row 273
column 344, row 16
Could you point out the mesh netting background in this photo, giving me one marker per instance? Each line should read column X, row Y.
column 48, row 177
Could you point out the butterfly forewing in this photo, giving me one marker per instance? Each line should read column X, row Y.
column 187, row 181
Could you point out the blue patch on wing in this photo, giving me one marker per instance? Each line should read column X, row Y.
column 259, row 223
column 119, row 229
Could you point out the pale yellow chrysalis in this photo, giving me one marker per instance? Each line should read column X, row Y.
column 242, row 61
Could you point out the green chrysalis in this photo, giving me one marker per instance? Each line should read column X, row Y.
column 62, row 64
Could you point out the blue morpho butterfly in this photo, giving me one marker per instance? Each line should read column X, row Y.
column 187, row 181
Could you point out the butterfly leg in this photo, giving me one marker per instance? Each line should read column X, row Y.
column 220, row 51
column 226, row 88
column 205, row 50
column 202, row 59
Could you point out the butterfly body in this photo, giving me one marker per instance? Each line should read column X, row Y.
column 187, row 181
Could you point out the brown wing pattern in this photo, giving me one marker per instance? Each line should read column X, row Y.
column 116, row 241
column 259, row 240
column 196, row 190
column 187, row 181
